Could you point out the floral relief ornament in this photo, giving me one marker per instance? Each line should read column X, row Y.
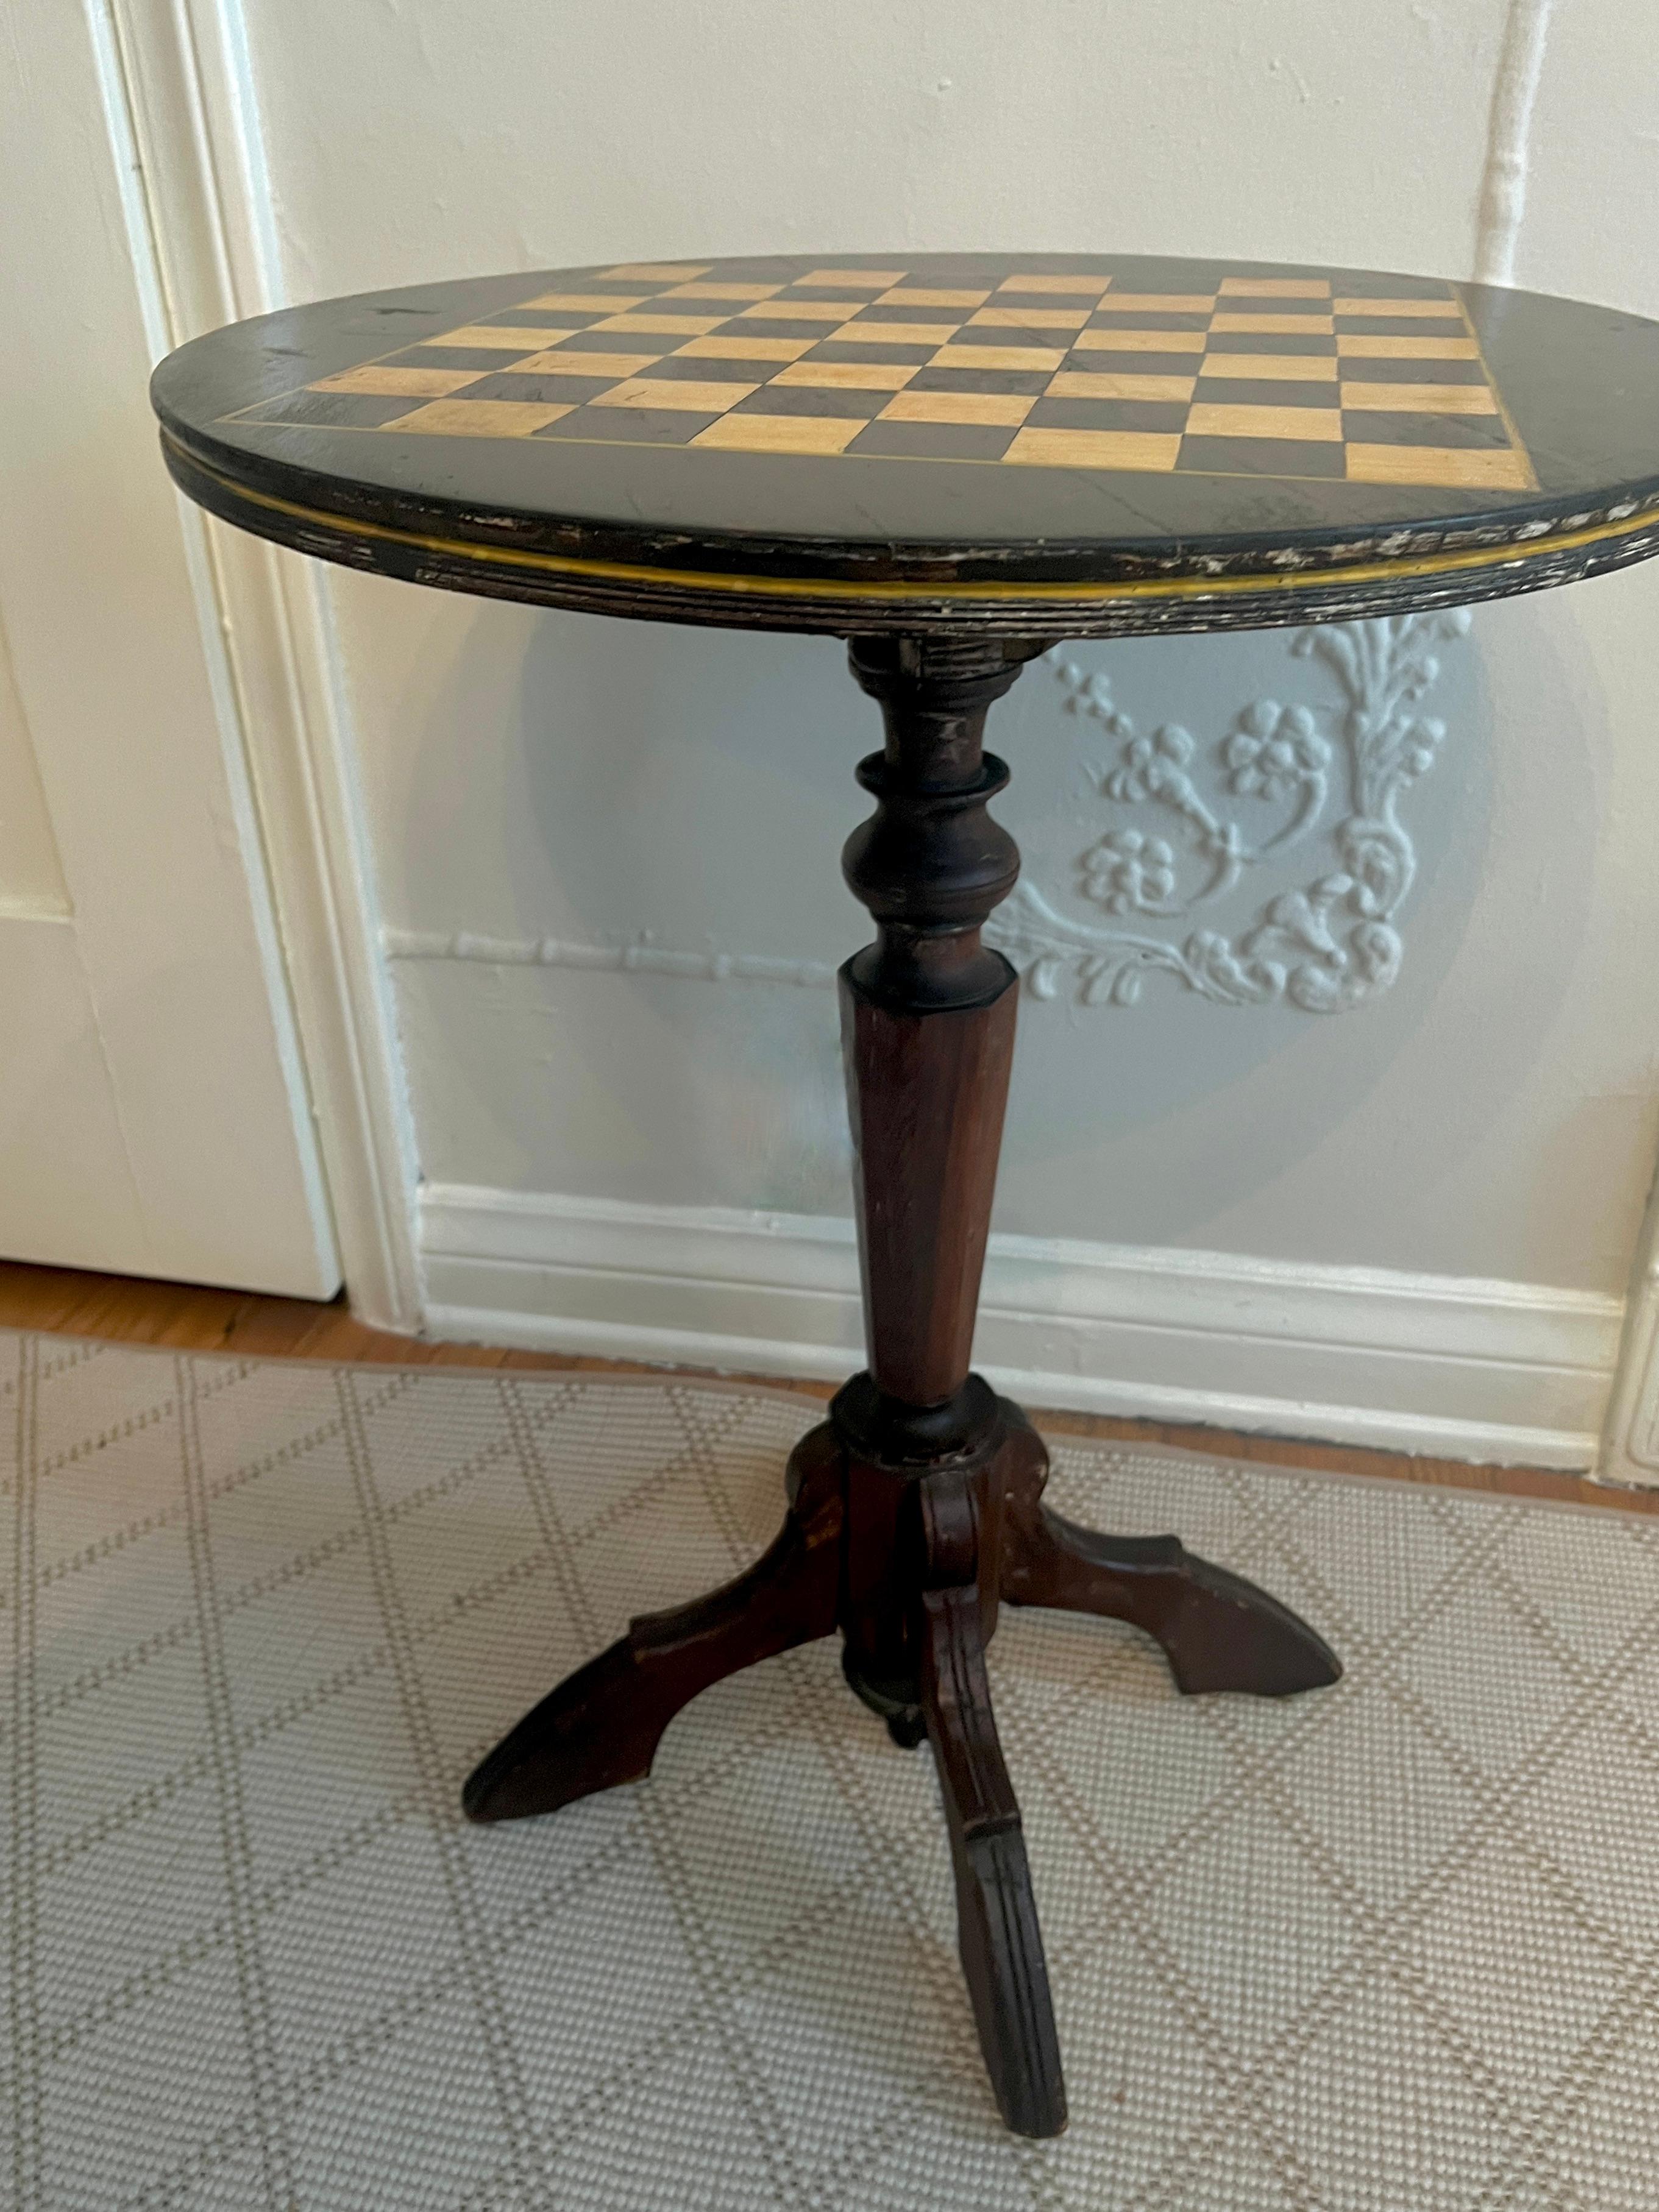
column 1331, row 944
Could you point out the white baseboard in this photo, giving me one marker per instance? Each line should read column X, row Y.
column 1509, row 1372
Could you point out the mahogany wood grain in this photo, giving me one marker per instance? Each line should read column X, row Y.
column 602, row 1725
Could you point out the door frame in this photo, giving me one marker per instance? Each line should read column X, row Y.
column 179, row 106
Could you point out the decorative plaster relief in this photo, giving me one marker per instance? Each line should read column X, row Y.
column 1323, row 946
column 1332, row 775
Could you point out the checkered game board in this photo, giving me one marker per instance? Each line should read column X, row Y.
column 1304, row 376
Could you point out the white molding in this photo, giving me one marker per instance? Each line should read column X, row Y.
column 265, row 619
column 1630, row 1441
column 1509, row 1372
column 1509, row 137
column 641, row 957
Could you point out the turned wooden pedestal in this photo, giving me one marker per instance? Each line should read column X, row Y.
column 916, row 1509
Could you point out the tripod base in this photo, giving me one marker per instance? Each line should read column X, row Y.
column 910, row 1563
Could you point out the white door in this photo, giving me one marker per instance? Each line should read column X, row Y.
column 153, row 1117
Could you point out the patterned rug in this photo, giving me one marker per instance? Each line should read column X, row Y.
column 1391, row 1948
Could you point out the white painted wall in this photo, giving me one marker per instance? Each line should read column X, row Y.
column 1431, row 1201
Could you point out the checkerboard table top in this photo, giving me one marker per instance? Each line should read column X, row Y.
column 944, row 428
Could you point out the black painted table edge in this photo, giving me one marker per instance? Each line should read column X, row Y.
column 847, row 590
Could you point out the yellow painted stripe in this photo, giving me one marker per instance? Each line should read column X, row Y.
column 798, row 587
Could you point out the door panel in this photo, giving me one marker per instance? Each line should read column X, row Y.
column 154, row 1115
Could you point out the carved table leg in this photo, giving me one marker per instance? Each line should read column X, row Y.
column 1217, row 1631
column 603, row 1724
column 997, row 1930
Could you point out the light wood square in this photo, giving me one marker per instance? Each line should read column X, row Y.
column 684, row 397
column 906, row 334
column 1277, row 288
column 1007, row 408
column 1140, row 341
column 1422, row 399
column 980, row 356
column 1033, row 319
column 1354, row 345
column 720, row 292
column 848, row 375
column 490, row 335
column 386, row 383
column 1483, row 468
column 587, row 303
column 1435, row 310
column 1147, row 450
column 805, row 311
column 781, row 434
column 1270, row 367
column 1324, row 424
column 480, row 418
column 1157, row 303
column 1058, row 287
column 656, row 272
column 734, row 346
column 580, row 364
column 1092, row 384
column 907, row 296
column 1315, row 326
column 680, row 327
column 882, row 278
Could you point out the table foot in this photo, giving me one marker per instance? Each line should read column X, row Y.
column 1217, row 1631
column 602, row 1725
column 997, row 1931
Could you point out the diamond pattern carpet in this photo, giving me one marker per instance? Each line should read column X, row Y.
column 1394, row 1947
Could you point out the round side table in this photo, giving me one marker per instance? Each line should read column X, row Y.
column 954, row 461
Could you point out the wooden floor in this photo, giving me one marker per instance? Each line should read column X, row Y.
column 130, row 1310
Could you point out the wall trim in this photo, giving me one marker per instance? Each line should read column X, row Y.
column 1509, row 140
column 1630, row 1441
column 1509, row 1372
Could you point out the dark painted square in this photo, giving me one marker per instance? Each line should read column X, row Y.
column 1265, row 391
column 1023, row 383
column 556, row 318
column 340, row 411
column 901, row 356
column 899, row 313
column 1154, row 274
column 987, row 334
column 1148, row 322
column 1108, row 415
column 1377, row 285
column 544, row 391
column 1263, row 457
column 779, row 326
column 1133, row 364
column 532, row 318
column 861, row 289
column 645, row 426
column 635, row 342
column 1271, row 341
column 1401, row 326
column 1368, row 427
column 934, row 441
column 481, row 358
column 811, row 400
column 708, row 368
